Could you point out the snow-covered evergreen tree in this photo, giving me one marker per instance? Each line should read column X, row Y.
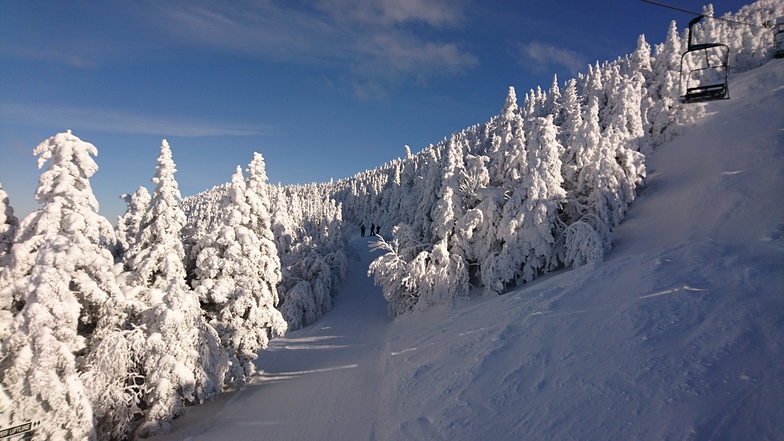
column 310, row 241
column 447, row 266
column 433, row 273
column 664, row 87
column 237, row 273
column 115, row 381
column 156, row 257
column 509, row 142
column 605, row 183
column 128, row 224
column 8, row 225
column 183, row 359
column 64, row 293
column 399, row 271
column 531, row 214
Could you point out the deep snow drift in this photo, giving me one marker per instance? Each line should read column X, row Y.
column 678, row 334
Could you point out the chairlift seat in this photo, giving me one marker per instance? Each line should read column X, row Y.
column 705, row 93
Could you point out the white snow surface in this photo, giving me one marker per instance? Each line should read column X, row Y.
column 677, row 334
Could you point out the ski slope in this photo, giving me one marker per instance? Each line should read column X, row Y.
column 678, row 334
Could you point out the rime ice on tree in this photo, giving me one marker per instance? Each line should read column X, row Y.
column 62, row 283
column 237, row 271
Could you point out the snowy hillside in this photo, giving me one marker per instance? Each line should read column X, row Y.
column 677, row 334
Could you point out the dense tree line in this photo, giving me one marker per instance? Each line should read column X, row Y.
column 106, row 333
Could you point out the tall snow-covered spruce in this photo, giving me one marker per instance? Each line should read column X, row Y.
column 237, row 270
column 62, row 286
column 182, row 357
column 128, row 225
column 8, row 225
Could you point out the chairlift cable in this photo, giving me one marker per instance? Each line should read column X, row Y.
column 700, row 13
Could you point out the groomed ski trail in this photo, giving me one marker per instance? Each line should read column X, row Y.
column 320, row 382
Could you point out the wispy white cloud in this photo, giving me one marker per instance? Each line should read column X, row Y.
column 48, row 54
column 389, row 57
column 437, row 13
column 113, row 121
column 251, row 28
column 541, row 57
column 373, row 42
column 381, row 42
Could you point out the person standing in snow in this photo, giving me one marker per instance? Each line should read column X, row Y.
column 372, row 229
column 362, row 229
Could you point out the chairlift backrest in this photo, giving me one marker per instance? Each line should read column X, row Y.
column 704, row 70
column 779, row 38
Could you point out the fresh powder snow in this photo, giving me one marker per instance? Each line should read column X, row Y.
column 676, row 334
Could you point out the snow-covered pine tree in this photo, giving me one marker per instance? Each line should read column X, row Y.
column 64, row 293
column 447, row 265
column 115, row 377
column 448, row 208
column 183, row 359
column 401, row 270
column 476, row 229
column 128, row 224
column 8, row 225
column 510, row 137
column 544, row 195
column 664, row 87
column 642, row 75
column 531, row 214
column 115, row 380
column 237, row 273
column 38, row 366
column 500, row 265
column 156, row 257
column 335, row 244
column 603, row 182
column 570, row 137
column 707, row 31
column 552, row 102
column 427, row 196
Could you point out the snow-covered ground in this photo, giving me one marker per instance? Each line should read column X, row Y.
column 678, row 334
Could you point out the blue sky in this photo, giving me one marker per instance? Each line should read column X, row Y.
column 322, row 88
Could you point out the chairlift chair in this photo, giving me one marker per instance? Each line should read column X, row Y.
column 779, row 38
column 704, row 70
